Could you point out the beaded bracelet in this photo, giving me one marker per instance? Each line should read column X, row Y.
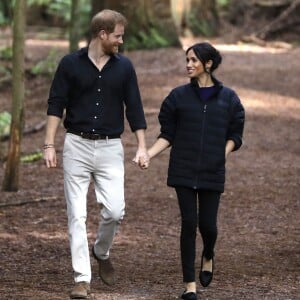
column 47, row 146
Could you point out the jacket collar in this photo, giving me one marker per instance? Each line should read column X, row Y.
column 216, row 82
column 218, row 86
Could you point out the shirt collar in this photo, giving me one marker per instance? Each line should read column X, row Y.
column 84, row 51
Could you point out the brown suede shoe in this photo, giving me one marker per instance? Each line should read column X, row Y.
column 106, row 270
column 80, row 290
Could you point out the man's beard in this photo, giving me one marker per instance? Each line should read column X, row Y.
column 111, row 49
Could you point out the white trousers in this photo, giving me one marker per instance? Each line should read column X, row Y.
column 102, row 160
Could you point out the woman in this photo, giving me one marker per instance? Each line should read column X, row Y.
column 203, row 122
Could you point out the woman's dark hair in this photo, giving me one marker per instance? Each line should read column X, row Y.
column 206, row 52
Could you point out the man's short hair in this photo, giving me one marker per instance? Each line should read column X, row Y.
column 106, row 20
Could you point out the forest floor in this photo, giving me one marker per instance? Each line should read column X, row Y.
column 258, row 247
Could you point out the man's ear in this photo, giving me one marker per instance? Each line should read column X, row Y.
column 102, row 34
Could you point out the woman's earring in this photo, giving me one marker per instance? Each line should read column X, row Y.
column 207, row 70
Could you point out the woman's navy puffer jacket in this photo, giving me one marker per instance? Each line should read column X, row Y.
column 198, row 131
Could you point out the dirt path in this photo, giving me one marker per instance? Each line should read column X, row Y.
column 257, row 254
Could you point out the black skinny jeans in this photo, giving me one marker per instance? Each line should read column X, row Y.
column 205, row 217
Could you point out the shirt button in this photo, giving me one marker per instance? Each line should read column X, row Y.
column 99, row 90
column 93, row 130
column 95, row 117
column 99, row 76
column 97, row 103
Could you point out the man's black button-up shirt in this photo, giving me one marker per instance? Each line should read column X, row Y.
column 95, row 100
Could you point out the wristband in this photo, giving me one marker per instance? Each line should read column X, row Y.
column 47, row 146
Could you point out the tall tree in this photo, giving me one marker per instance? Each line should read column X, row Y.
column 150, row 22
column 180, row 12
column 11, row 177
column 74, row 30
column 202, row 18
column 99, row 5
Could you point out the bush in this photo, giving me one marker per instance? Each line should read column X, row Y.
column 5, row 120
column 46, row 67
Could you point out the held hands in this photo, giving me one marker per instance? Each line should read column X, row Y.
column 142, row 159
column 144, row 163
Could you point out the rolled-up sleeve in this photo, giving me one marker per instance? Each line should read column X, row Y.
column 134, row 108
column 59, row 90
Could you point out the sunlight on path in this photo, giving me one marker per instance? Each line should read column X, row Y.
column 117, row 296
column 52, row 43
column 249, row 48
column 272, row 104
column 238, row 47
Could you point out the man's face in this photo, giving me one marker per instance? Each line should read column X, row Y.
column 112, row 41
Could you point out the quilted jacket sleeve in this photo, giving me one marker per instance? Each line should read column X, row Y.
column 167, row 119
column 236, row 122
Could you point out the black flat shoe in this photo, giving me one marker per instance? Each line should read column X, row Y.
column 206, row 277
column 189, row 296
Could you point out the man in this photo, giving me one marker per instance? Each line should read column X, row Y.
column 93, row 85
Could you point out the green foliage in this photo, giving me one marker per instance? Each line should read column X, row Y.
column 62, row 9
column 6, row 7
column 32, row 157
column 84, row 20
column 158, row 39
column 3, row 20
column 38, row 2
column 201, row 27
column 142, row 40
column 223, row 3
column 5, row 120
column 5, row 75
column 6, row 53
column 59, row 8
column 46, row 67
column 5, row 71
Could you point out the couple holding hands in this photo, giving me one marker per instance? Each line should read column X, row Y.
column 201, row 121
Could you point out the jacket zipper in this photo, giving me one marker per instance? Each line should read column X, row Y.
column 201, row 144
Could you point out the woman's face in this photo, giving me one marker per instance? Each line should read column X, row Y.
column 194, row 66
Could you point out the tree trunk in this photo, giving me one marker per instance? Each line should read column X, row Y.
column 282, row 21
column 11, row 176
column 180, row 12
column 150, row 22
column 202, row 18
column 74, row 30
column 98, row 6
